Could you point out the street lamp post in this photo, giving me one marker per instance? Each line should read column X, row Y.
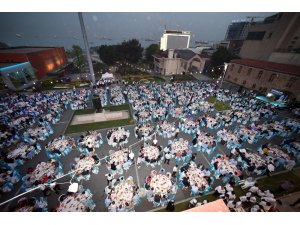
column 223, row 75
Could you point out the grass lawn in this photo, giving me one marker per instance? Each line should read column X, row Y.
column 100, row 125
column 219, row 106
column 183, row 77
column 84, row 111
column 268, row 183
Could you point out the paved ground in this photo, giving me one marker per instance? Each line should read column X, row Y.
column 97, row 182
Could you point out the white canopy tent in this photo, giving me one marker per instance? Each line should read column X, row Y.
column 107, row 76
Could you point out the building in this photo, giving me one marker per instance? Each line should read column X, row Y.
column 44, row 60
column 221, row 44
column 174, row 39
column 262, row 76
column 237, row 30
column 236, row 33
column 179, row 61
column 17, row 76
column 275, row 39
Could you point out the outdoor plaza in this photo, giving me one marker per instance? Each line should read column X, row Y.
column 178, row 148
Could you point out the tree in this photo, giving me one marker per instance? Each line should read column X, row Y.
column 108, row 54
column 218, row 58
column 128, row 51
column 3, row 45
column 151, row 50
column 99, row 68
column 79, row 60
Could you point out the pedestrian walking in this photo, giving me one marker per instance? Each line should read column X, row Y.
column 175, row 170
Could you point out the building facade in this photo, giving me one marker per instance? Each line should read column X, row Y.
column 174, row 39
column 236, row 33
column 262, row 76
column 17, row 76
column 276, row 39
column 44, row 60
column 179, row 61
column 237, row 30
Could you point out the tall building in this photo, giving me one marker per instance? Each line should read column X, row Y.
column 275, row 39
column 173, row 39
column 236, row 34
column 44, row 60
column 237, row 30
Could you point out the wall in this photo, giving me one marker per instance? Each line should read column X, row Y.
column 172, row 66
column 263, row 84
column 43, row 61
column 47, row 61
column 281, row 32
column 13, row 57
column 285, row 58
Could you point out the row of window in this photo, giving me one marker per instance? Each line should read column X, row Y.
column 271, row 78
column 289, row 84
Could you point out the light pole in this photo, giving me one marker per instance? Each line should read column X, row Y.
column 223, row 75
column 86, row 44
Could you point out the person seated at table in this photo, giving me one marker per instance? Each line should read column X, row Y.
column 265, row 149
column 192, row 203
column 157, row 198
column 113, row 166
column 185, row 181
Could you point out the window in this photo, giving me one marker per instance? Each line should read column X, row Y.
column 244, row 82
column 259, row 74
column 228, row 76
column 232, row 66
column 235, row 79
column 249, row 71
column 291, row 81
column 253, row 86
column 293, row 42
column 272, row 77
column 296, row 38
column 240, row 69
column 256, row 35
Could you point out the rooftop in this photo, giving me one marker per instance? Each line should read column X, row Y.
column 181, row 53
column 276, row 67
column 24, row 49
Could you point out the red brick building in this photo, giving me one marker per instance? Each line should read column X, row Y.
column 44, row 60
column 263, row 75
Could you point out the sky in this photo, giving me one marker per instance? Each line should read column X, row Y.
column 63, row 29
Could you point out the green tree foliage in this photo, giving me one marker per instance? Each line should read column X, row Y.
column 100, row 68
column 151, row 50
column 218, row 58
column 221, row 56
column 79, row 60
column 128, row 51
column 108, row 54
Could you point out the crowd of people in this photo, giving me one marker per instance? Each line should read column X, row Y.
column 185, row 120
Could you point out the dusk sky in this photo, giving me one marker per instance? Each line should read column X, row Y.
column 63, row 29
